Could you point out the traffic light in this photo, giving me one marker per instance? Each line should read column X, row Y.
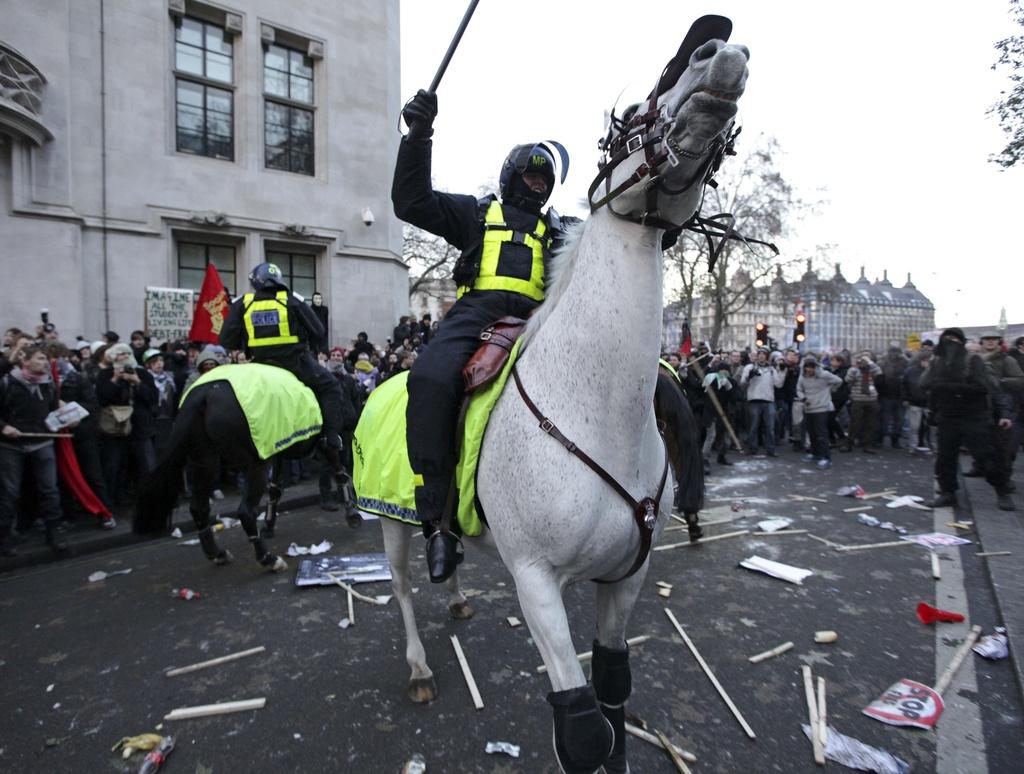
column 800, row 333
column 761, row 335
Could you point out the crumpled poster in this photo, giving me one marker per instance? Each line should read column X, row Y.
column 853, row 753
column 320, row 548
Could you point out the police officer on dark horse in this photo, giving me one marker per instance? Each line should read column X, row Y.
column 505, row 245
column 277, row 328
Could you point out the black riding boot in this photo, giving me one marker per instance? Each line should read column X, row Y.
column 609, row 672
column 57, row 542
column 693, row 527
column 346, row 493
column 444, row 550
column 583, row 736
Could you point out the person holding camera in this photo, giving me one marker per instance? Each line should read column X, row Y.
column 761, row 381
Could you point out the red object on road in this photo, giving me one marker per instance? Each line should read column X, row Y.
column 929, row 615
column 186, row 594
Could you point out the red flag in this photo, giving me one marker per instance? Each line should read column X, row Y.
column 69, row 471
column 686, row 345
column 211, row 309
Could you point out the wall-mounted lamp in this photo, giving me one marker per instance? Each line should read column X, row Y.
column 368, row 218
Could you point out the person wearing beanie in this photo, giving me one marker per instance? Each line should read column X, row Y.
column 964, row 395
column 814, row 390
column 863, row 402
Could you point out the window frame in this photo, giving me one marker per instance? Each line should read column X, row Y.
column 290, row 105
column 230, row 287
column 204, row 83
column 273, row 255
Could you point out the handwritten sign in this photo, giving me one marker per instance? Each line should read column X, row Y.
column 169, row 313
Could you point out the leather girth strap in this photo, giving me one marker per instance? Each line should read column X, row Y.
column 645, row 511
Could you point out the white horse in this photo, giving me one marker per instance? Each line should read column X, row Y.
column 552, row 519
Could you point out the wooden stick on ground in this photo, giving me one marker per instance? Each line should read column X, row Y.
column 782, row 532
column 858, row 508
column 878, row 494
column 822, row 715
column 204, row 710
column 351, row 610
column 590, row 654
column 826, row 541
column 865, row 546
column 702, row 540
column 777, row 650
column 958, row 658
column 352, row 591
column 936, row 570
column 214, row 662
column 805, row 499
column 812, row 716
column 473, row 690
column 711, row 675
column 680, row 765
column 994, row 553
column 639, row 733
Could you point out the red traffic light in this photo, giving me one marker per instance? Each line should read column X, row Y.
column 760, row 326
column 801, row 317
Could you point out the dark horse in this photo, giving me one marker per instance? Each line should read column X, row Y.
column 211, row 427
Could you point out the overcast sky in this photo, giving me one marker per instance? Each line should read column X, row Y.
column 879, row 107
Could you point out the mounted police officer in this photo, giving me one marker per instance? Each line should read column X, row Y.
column 277, row 328
column 505, row 244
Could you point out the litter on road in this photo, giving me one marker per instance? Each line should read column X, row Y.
column 781, row 532
column 205, row 710
column 929, row 615
column 993, row 646
column 778, row 570
column 666, row 745
column 702, row 541
column 642, row 638
column 100, row 575
column 812, row 716
column 853, row 753
column 986, row 554
column 711, row 675
column 214, row 662
column 957, row 660
column 776, row 651
column 826, row 637
column 502, row 747
column 936, row 540
column 320, row 548
column 640, row 733
column 774, row 525
column 513, row 622
column 474, row 692
column 936, row 570
column 866, row 546
column 907, row 501
column 855, row 508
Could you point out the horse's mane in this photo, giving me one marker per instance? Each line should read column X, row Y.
column 559, row 276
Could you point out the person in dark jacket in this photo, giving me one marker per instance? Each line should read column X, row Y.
column 125, row 383
column 718, row 382
column 505, row 246
column 840, row 365
column 917, row 402
column 27, row 396
column 682, row 443
column 890, row 395
column 963, row 396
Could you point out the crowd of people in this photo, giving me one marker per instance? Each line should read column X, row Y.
column 751, row 401
column 131, row 392
column 932, row 401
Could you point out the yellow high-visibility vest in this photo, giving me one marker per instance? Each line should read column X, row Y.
column 505, row 268
column 266, row 320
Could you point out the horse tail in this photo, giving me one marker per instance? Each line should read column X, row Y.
column 158, row 493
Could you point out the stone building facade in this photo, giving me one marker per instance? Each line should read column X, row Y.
column 840, row 314
column 141, row 141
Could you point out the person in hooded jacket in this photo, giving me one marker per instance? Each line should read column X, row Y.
column 681, row 442
column 890, row 395
column 506, row 245
column 917, row 402
column 963, row 396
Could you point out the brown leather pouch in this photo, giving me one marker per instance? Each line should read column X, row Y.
column 490, row 358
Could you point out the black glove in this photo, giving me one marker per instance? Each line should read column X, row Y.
column 419, row 114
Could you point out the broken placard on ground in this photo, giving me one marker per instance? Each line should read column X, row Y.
column 356, row 568
column 936, row 540
column 907, row 703
column 774, row 525
column 320, row 548
column 784, row 572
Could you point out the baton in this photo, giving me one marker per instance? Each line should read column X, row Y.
column 452, row 46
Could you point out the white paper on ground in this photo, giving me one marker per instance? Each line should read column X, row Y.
column 774, row 525
column 907, row 501
column 503, row 747
column 993, row 646
column 936, row 540
column 784, row 572
column 320, row 548
column 852, row 752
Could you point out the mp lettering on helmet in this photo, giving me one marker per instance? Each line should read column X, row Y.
column 538, row 160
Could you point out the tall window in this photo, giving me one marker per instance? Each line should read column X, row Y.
column 194, row 257
column 288, row 109
column 299, row 270
column 204, row 112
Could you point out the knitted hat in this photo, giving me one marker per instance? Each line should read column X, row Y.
column 364, row 365
column 116, row 350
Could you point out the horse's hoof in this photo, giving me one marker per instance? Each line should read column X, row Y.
column 354, row 520
column 279, row 565
column 268, row 530
column 223, row 557
column 461, row 610
column 422, row 690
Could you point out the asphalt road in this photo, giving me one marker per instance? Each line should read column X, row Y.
column 82, row 663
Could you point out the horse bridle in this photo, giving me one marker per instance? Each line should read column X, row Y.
column 650, row 131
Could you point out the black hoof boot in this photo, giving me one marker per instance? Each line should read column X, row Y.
column 613, row 682
column 693, row 527
column 444, row 554
column 583, row 737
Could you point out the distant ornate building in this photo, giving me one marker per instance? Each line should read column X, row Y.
column 840, row 314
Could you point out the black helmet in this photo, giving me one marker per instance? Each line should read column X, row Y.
column 267, row 275
column 523, row 159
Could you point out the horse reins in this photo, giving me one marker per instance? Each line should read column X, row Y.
column 645, row 511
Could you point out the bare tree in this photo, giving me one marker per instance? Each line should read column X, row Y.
column 429, row 258
column 1010, row 109
column 762, row 202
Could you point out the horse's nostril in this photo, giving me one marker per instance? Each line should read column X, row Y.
column 707, row 51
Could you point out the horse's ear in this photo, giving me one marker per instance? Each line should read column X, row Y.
column 710, row 27
column 563, row 155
